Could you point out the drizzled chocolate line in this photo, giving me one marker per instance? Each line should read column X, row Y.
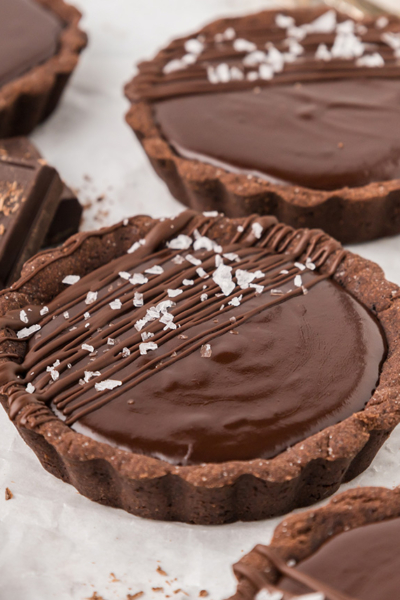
column 156, row 81
column 266, row 254
column 259, row 581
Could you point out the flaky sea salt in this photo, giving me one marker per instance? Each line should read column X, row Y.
column 135, row 246
column 138, row 279
column 23, row 316
column 91, row 297
column 203, row 297
column 284, row 21
column 107, row 384
column 236, row 300
column 155, row 270
column 71, row 279
column 124, row 274
column 115, row 304
column 244, row 278
column 241, row 45
column 138, row 299
column 181, row 242
column 27, row 331
column 174, row 293
column 193, row 260
column 145, row 347
column 30, row 388
column 323, row 53
column 188, row 282
column 298, row 282
column 371, row 61
column 205, row 351
column 87, row 347
column 125, row 352
column 44, row 311
column 194, row 46
column 257, row 230
column 223, row 278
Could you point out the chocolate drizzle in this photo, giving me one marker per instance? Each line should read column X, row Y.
column 116, row 351
column 192, row 65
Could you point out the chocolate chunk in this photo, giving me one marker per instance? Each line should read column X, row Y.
column 68, row 215
column 29, row 196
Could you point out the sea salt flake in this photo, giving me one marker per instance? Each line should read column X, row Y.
column 189, row 59
column 140, row 324
column 146, row 335
column 326, row 23
column 155, row 270
column 182, row 242
column 30, row 388
column 201, row 272
column 193, row 46
column 145, row 347
column 87, row 347
column 275, row 292
column 203, row 297
column 258, row 288
column 107, row 384
column 284, row 21
column 174, row 293
column 212, row 75
column 297, row 33
column 124, row 274
column 275, row 58
column 193, row 260
column 218, row 260
column 88, row 375
column 23, row 316
column 381, row 22
column 91, row 297
column 138, row 279
column 135, row 246
column 300, row 266
column 266, row 595
column 240, row 228
column 266, row 72
column 205, row 351
column 210, row 213
column 323, row 53
column 309, row 264
column 152, row 314
column 86, row 315
column 66, row 314
column 44, row 311
column 255, row 58
column 259, row 274
column 229, row 33
column 27, row 331
column 223, row 278
column 125, row 352
column 371, row 61
column 178, row 259
column 187, row 282
column 257, row 230
column 244, row 278
column 298, row 282
column 241, row 45
column 110, row 342
column 236, row 300
column 138, row 299
column 115, row 304
column 231, row 256
column 174, row 65
column 71, row 279
column 347, row 45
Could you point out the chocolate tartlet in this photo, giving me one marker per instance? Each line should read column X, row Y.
column 200, row 368
column 291, row 113
column 347, row 550
column 40, row 43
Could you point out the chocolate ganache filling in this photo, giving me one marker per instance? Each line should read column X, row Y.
column 315, row 104
column 191, row 352
column 361, row 564
column 29, row 35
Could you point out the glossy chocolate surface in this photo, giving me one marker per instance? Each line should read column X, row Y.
column 324, row 135
column 363, row 563
column 304, row 97
column 29, row 35
column 233, row 363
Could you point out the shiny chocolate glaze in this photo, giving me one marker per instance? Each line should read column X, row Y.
column 324, row 135
column 313, row 101
column 29, row 35
column 239, row 361
column 361, row 564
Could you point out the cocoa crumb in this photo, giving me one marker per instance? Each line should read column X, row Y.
column 113, row 578
column 203, row 594
column 134, row 596
column 95, row 596
column 157, row 589
column 161, row 571
column 8, row 494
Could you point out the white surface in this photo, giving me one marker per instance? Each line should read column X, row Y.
column 55, row 543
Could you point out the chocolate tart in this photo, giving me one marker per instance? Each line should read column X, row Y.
column 347, row 550
column 202, row 369
column 292, row 113
column 40, row 43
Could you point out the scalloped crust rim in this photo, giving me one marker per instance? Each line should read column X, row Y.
column 211, row 493
column 30, row 99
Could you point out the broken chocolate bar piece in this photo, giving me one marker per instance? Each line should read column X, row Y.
column 30, row 193
column 68, row 215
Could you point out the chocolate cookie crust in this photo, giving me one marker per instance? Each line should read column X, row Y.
column 299, row 537
column 29, row 99
column 211, row 493
column 351, row 214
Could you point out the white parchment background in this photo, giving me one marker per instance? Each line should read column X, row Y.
column 53, row 542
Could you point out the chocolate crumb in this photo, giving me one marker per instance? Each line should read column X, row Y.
column 113, row 578
column 8, row 494
column 203, row 594
column 134, row 596
column 95, row 596
column 157, row 589
column 161, row 571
